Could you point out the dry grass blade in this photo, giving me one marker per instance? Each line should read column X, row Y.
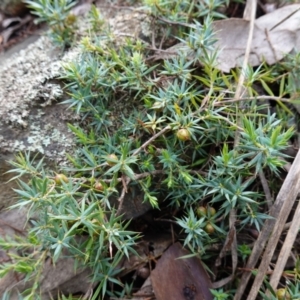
column 238, row 93
column 266, row 188
column 286, row 248
column 230, row 244
column 239, row 89
column 271, row 231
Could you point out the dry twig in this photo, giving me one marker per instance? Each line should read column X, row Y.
column 271, row 231
column 127, row 180
column 286, row 249
column 239, row 88
column 238, row 94
column 266, row 189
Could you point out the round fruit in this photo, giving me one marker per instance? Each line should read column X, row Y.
column 209, row 229
column 183, row 134
column 201, row 211
column 211, row 211
column 98, row 186
column 283, row 294
column 70, row 20
column 111, row 157
column 59, row 178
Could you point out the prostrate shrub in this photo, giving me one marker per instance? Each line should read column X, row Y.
column 165, row 127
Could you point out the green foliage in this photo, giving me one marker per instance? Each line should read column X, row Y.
column 244, row 251
column 69, row 210
column 56, row 13
column 185, row 10
column 291, row 289
column 132, row 110
column 220, row 294
column 25, row 261
column 194, row 230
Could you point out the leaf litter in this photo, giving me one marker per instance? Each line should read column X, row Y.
column 275, row 35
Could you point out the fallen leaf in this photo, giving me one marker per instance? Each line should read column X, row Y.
column 269, row 46
column 275, row 35
column 180, row 278
column 284, row 18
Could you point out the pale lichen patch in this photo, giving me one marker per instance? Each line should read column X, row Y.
column 30, row 118
column 27, row 81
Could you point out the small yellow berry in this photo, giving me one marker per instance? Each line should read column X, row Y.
column 283, row 294
column 201, row 211
column 209, row 229
column 110, row 158
column 98, row 186
column 183, row 134
column 59, row 178
column 211, row 211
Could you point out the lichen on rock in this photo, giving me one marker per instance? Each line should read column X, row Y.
column 30, row 118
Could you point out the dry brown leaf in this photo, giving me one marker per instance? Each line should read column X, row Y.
column 275, row 35
column 266, row 46
column 180, row 279
column 284, row 18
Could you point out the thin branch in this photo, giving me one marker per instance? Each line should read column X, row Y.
column 146, row 174
column 165, row 220
column 154, row 137
column 264, row 97
column 287, row 226
column 126, row 180
column 286, row 18
column 286, row 249
column 239, row 88
column 266, row 189
column 122, row 196
column 174, row 23
column 237, row 95
column 271, row 232
column 137, row 176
